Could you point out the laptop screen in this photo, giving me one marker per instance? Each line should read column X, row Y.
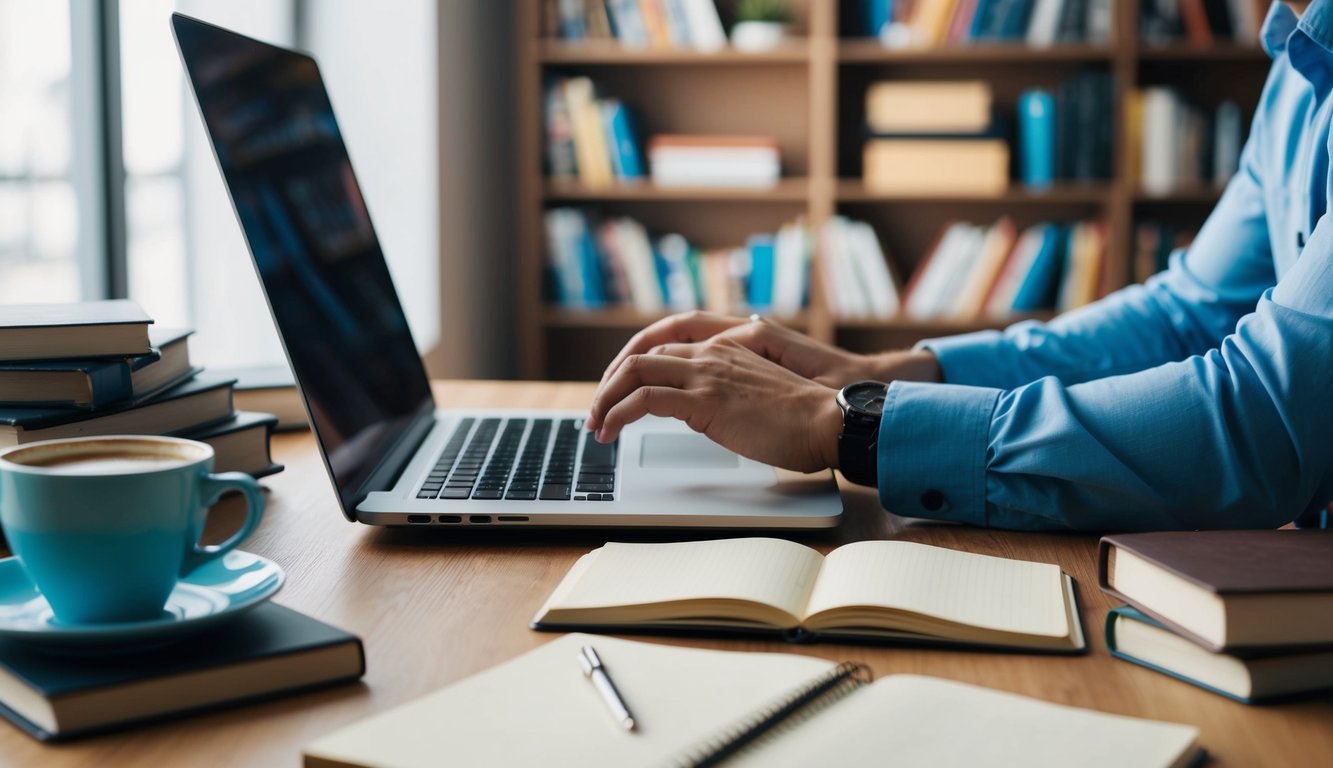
column 291, row 182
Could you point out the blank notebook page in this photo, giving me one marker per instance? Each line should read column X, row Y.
column 979, row 590
column 908, row 720
column 770, row 571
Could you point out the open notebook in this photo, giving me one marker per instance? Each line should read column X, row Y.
column 538, row 709
column 869, row 591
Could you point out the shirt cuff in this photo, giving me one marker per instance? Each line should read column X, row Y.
column 932, row 450
column 969, row 358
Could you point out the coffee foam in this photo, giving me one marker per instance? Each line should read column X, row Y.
column 107, row 456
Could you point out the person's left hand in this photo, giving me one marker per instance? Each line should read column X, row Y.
column 740, row 400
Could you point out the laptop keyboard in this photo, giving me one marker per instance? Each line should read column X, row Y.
column 474, row 464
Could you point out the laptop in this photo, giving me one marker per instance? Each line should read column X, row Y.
column 394, row 457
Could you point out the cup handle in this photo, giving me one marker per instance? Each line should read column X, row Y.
column 211, row 488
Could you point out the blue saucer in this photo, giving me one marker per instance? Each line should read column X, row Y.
column 213, row 593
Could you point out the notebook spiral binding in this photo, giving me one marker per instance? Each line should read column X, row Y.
column 793, row 709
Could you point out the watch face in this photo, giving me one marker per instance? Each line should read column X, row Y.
column 866, row 396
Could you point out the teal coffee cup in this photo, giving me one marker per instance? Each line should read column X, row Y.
column 105, row 526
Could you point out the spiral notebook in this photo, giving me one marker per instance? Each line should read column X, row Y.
column 699, row 707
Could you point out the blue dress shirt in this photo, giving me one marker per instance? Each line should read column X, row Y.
column 1201, row 399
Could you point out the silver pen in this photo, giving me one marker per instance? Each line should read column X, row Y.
column 593, row 669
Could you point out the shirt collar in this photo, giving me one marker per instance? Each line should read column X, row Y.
column 1316, row 23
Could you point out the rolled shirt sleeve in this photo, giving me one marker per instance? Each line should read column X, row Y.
column 1239, row 436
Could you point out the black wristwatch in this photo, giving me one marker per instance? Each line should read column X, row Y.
column 862, row 405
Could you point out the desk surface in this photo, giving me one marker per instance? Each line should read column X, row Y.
column 437, row 606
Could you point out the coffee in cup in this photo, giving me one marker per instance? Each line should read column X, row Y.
column 106, row 526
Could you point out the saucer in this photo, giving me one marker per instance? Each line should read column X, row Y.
column 213, row 593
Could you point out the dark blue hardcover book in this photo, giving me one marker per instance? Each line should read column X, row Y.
column 116, row 328
column 762, row 256
column 266, row 652
column 1004, row 21
column 1039, row 286
column 93, row 383
column 980, row 18
column 1252, row 677
column 201, row 401
column 241, row 444
column 590, row 268
column 876, row 15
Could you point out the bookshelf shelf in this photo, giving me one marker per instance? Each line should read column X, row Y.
column 861, row 51
column 853, row 191
column 612, row 53
column 628, row 318
column 809, row 94
column 1200, row 195
column 789, row 190
column 1195, row 53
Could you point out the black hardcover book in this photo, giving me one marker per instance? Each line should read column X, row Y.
column 201, row 401
column 117, row 328
column 94, row 383
column 241, row 444
column 268, row 651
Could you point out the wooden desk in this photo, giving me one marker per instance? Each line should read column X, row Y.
column 436, row 606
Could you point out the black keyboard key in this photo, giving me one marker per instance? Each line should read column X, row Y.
column 487, row 493
column 520, row 495
column 608, row 497
column 555, row 492
column 596, row 477
column 456, row 493
column 594, row 488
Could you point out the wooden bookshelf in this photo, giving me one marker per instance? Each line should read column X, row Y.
column 810, row 94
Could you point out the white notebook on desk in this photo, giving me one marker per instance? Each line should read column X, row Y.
column 538, row 709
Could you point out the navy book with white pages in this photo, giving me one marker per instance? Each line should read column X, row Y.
column 99, row 382
column 268, row 651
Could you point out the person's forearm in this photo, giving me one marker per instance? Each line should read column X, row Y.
column 1237, row 437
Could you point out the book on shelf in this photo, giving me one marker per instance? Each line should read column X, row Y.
column 1036, row 136
column 665, row 24
column 695, row 706
column 1250, row 677
column 684, row 160
column 592, row 265
column 199, row 402
column 589, row 139
column 929, row 106
column 1154, row 242
column 1180, row 145
column 870, row 591
column 1202, row 23
column 935, row 23
column 1227, row 590
column 858, row 278
column 976, row 271
column 93, row 383
column 936, row 164
column 267, row 652
column 241, row 443
column 116, row 328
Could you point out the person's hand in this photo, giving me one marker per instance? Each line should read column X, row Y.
column 794, row 351
column 743, row 402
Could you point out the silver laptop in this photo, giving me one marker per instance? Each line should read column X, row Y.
column 393, row 457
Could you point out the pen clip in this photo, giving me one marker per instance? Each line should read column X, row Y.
column 588, row 660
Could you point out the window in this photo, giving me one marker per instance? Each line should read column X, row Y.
column 92, row 93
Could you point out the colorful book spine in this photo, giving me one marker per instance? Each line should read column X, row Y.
column 1036, row 131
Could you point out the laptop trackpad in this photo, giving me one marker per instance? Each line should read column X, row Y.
column 692, row 451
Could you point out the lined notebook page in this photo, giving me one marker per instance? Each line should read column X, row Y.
column 770, row 571
column 912, row 720
column 979, row 590
column 539, row 710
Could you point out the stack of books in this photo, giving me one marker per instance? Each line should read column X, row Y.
column 932, row 23
column 714, row 161
column 99, row 368
column 598, row 263
column 1172, row 144
column 588, row 139
column 638, row 23
column 858, row 279
column 934, row 137
column 993, row 271
column 1245, row 614
column 1201, row 22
